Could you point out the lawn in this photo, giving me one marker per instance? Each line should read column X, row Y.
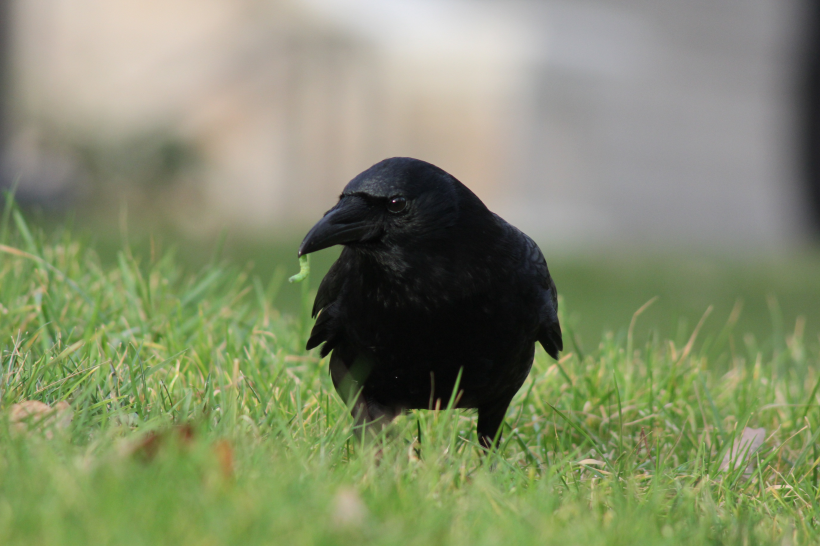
column 186, row 411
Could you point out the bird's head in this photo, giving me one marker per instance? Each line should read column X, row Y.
column 397, row 202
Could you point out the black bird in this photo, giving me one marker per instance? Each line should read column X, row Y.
column 431, row 290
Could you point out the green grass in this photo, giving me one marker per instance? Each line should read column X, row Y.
column 140, row 348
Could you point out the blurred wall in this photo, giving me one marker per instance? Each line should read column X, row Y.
column 619, row 121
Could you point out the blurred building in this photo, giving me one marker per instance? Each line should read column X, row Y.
column 618, row 121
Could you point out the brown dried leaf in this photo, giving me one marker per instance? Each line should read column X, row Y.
column 224, row 454
column 348, row 509
column 594, row 462
column 743, row 450
column 149, row 445
column 31, row 415
column 180, row 437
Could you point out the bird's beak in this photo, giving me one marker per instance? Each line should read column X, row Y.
column 345, row 223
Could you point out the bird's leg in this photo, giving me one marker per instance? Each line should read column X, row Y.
column 371, row 417
column 490, row 418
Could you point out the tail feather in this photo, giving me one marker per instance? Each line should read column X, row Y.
column 549, row 336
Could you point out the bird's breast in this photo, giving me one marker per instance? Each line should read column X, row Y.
column 455, row 332
column 426, row 331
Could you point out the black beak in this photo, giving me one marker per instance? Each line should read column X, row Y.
column 345, row 223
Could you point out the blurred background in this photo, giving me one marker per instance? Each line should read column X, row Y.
column 651, row 148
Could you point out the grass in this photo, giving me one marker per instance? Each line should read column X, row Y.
column 198, row 418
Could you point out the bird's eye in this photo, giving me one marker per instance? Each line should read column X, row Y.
column 396, row 204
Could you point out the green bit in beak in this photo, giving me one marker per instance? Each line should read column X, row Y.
column 304, row 269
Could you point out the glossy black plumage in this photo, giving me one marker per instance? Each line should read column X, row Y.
column 430, row 283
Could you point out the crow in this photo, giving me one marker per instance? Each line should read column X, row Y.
column 432, row 297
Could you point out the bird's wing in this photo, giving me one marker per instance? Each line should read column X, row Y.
column 325, row 329
column 549, row 329
column 329, row 288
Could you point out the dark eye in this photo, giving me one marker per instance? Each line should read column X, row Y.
column 396, row 204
